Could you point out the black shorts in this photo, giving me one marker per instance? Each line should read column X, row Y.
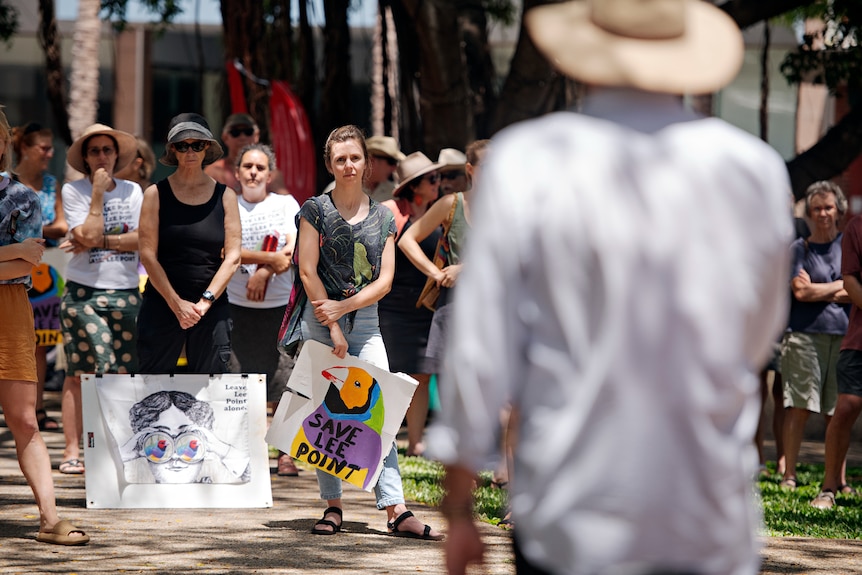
column 849, row 372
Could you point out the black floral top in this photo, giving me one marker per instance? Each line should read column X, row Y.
column 350, row 254
column 350, row 258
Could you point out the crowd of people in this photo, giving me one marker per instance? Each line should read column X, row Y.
column 214, row 243
column 637, row 355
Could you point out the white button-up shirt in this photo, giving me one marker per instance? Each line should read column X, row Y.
column 625, row 277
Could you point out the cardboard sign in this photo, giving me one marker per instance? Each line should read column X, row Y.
column 340, row 415
column 187, row 440
column 45, row 297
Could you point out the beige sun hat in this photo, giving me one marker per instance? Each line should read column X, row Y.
column 126, row 143
column 384, row 146
column 413, row 166
column 451, row 159
column 669, row 46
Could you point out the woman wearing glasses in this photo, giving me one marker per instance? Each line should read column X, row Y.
column 404, row 326
column 190, row 246
column 101, row 300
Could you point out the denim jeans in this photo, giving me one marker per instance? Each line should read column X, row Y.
column 365, row 342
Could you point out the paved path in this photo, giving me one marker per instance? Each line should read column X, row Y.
column 277, row 540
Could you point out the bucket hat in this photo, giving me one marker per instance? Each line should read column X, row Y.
column 126, row 144
column 669, row 46
column 413, row 166
column 451, row 159
column 188, row 126
column 384, row 146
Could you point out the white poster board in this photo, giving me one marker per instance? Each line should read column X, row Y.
column 340, row 415
column 182, row 441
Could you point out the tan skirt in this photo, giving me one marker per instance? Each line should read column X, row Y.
column 17, row 338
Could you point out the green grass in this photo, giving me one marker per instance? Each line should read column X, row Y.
column 423, row 482
column 788, row 513
column 785, row 513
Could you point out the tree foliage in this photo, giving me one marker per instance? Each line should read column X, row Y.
column 8, row 21
column 832, row 57
column 166, row 10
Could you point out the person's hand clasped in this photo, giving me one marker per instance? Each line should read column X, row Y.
column 188, row 314
column 73, row 246
column 328, row 311
column 281, row 260
column 449, row 276
column 31, row 250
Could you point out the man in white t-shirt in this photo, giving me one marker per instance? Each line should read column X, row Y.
column 624, row 309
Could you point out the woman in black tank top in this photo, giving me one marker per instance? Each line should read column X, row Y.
column 190, row 238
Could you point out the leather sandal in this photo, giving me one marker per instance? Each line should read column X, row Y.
column 426, row 532
column 326, row 522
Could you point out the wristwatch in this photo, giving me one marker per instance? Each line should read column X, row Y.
column 208, row 295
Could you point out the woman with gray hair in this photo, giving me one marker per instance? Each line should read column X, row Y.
column 819, row 316
column 190, row 241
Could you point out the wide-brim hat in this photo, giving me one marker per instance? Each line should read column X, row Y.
column 384, row 146
column 413, row 166
column 451, row 159
column 126, row 143
column 190, row 127
column 668, row 46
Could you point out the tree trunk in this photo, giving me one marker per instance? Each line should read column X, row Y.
column 830, row 156
column 408, row 70
column 84, row 94
column 444, row 95
column 473, row 24
column 532, row 87
column 335, row 96
column 55, row 78
column 243, row 27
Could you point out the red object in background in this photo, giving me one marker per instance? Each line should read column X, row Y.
column 292, row 141
column 237, row 92
column 270, row 242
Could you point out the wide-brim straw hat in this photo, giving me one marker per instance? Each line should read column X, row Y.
column 126, row 143
column 189, row 126
column 451, row 159
column 668, row 46
column 413, row 166
column 384, row 146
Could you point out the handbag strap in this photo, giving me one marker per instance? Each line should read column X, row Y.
column 447, row 224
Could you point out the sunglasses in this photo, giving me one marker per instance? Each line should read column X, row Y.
column 159, row 447
column 432, row 179
column 451, row 175
column 183, row 147
column 107, row 150
column 236, row 132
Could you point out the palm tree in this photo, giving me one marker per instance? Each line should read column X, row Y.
column 84, row 82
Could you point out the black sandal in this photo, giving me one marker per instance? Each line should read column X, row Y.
column 395, row 532
column 43, row 420
column 328, row 523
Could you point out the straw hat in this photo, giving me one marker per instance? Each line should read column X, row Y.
column 451, row 159
column 190, row 126
column 669, row 46
column 126, row 144
column 384, row 146
column 413, row 166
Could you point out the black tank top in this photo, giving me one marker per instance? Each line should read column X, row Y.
column 191, row 239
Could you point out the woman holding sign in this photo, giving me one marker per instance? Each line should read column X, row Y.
column 346, row 254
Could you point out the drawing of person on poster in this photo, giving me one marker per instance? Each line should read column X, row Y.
column 173, row 435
